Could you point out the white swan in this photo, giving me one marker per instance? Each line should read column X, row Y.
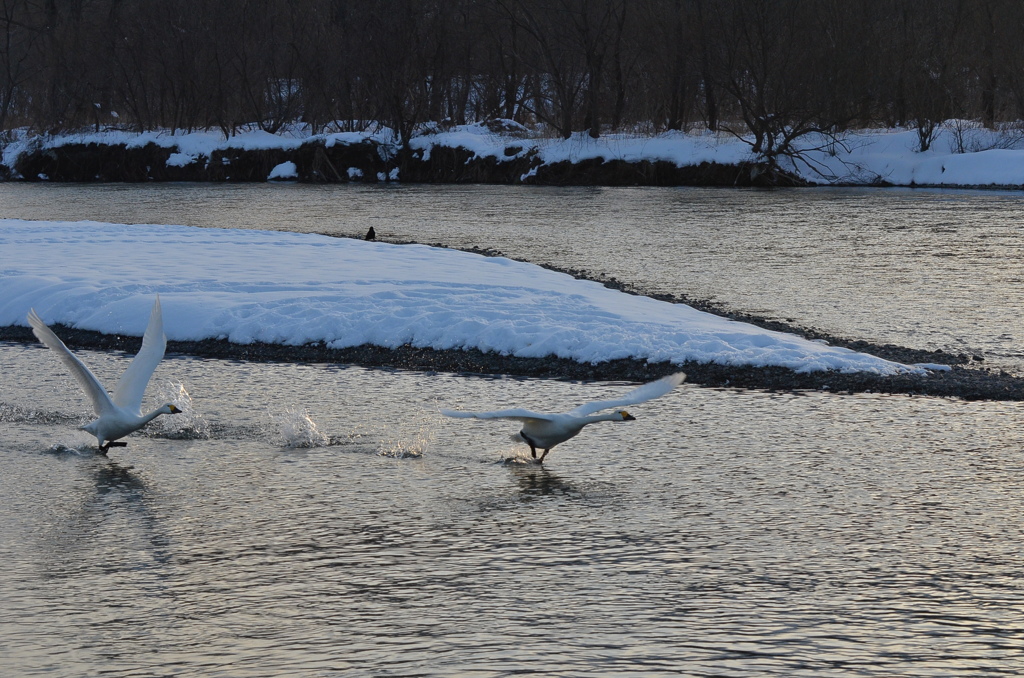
column 544, row 431
column 120, row 415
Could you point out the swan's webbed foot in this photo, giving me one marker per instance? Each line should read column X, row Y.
column 114, row 443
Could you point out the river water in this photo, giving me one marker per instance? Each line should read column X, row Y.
column 324, row 520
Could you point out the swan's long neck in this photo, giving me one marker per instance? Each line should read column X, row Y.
column 594, row 418
column 146, row 418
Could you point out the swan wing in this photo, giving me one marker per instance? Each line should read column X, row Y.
column 520, row 414
column 132, row 386
column 648, row 391
column 101, row 402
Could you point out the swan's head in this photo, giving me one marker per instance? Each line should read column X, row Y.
column 626, row 416
column 170, row 409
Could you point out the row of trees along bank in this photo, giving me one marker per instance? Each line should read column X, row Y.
column 770, row 69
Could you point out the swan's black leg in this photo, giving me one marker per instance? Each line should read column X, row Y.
column 104, row 448
column 528, row 441
column 541, row 460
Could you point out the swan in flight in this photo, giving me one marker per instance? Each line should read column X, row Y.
column 544, row 431
column 120, row 415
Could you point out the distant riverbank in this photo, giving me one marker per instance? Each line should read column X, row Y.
column 369, row 161
column 505, row 153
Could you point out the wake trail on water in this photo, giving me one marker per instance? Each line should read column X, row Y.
column 291, row 427
column 15, row 414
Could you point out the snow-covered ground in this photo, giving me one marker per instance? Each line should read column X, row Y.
column 291, row 288
column 961, row 154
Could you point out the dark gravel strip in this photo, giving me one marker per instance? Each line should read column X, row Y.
column 960, row 382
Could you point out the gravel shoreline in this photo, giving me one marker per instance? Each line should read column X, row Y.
column 967, row 379
column 960, row 382
column 968, row 383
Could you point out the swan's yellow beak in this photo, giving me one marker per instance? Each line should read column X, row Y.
column 174, row 410
column 626, row 416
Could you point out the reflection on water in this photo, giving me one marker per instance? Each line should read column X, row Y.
column 721, row 533
column 113, row 477
column 538, row 481
column 919, row 268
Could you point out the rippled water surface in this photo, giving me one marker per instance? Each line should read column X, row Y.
column 925, row 269
column 318, row 520
column 721, row 534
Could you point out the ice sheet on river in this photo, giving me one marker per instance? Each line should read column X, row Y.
column 290, row 288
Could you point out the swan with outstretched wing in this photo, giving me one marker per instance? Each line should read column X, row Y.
column 121, row 414
column 544, row 431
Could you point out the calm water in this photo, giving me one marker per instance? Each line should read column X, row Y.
column 925, row 269
column 721, row 534
column 316, row 520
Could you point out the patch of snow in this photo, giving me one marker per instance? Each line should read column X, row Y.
column 284, row 171
column 180, row 159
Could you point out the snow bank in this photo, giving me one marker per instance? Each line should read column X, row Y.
column 891, row 156
column 291, row 288
column 861, row 157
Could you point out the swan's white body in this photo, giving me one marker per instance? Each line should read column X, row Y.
column 544, row 431
column 120, row 415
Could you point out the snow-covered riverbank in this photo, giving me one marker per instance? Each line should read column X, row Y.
column 959, row 155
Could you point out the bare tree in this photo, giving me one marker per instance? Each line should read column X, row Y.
column 769, row 55
column 770, row 71
column 20, row 32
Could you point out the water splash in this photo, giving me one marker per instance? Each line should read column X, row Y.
column 187, row 425
column 409, row 440
column 74, row 443
column 297, row 428
column 72, row 448
column 518, row 455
